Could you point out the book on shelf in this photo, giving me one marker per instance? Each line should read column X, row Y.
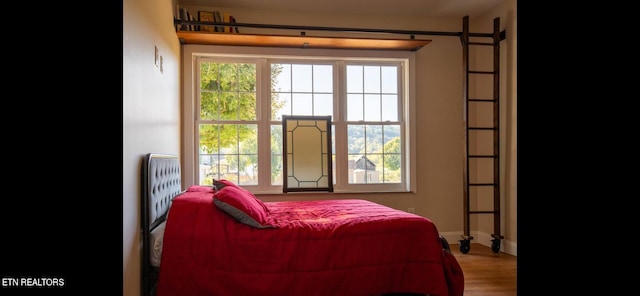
column 231, row 29
column 182, row 13
column 227, row 19
column 183, row 16
column 191, row 27
column 176, row 16
column 217, row 16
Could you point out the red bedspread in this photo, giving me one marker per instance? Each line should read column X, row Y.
column 329, row 247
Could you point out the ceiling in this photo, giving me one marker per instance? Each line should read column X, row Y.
column 407, row 8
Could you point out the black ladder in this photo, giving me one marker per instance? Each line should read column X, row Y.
column 483, row 162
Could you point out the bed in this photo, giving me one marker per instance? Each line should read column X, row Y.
column 223, row 240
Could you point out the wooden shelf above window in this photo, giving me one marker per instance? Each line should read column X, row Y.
column 191, row 37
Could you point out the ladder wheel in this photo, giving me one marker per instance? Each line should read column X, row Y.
column 465, row 246
column 495, row 245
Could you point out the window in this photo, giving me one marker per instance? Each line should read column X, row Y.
column 239, row 100
column 227, row 124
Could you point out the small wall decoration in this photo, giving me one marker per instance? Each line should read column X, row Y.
column 206, row 16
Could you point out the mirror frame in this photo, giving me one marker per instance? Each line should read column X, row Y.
column 288, row 137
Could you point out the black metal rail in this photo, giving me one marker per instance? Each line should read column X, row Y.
column 411, row 33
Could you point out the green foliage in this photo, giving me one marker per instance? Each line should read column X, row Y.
column 228, row 93
column 276, row 154
column 276, row 102
column 392, row 154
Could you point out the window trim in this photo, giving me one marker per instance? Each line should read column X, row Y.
column 189, row 95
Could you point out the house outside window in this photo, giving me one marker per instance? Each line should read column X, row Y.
column 238, row 102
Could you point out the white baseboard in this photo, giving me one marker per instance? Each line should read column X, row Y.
column 506, row 246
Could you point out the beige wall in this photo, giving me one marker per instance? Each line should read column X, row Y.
column 151, row 112
column 508, row 127
column 152, row 104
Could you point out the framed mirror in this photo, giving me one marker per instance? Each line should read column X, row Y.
column 307, row 147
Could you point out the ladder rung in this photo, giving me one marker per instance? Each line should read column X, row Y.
column 482, row 100
column 482, row 128
column 483, row 156
column 480, row 43
column 483, row 212
column 482, row 72
column 482, row 184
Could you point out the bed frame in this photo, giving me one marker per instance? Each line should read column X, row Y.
column 161, row 179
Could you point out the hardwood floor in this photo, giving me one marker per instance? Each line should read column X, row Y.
column 487, row 273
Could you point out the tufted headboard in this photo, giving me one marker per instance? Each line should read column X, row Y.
column 161, row 182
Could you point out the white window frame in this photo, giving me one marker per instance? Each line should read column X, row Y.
column 190, row 157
